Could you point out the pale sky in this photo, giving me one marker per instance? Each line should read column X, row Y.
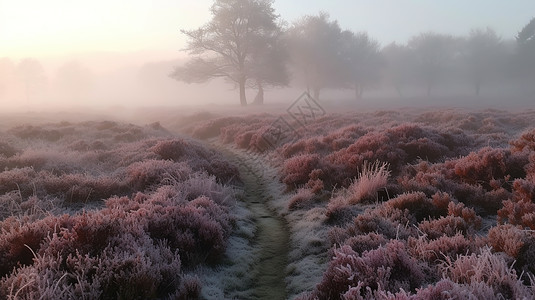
column 58, row 27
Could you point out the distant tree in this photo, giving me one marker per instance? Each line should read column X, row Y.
column 362, row 60
column 433, row 52
column 7, row 76
column 484, row 55
column 526, row 36
column 229, row 45
column 526, row 50
column 399, row 66
column 269, row 64
column 74, row 80
column 32, row 75
column 315, row 43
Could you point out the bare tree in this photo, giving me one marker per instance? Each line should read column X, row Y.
column 433, row 52
column 362, row 60
column 399, row 69
column 268, row 65
column 32, row 75
column 315, row 44
column 228, row 45
column 484, row 56
column 525, row 57
column 7, row 76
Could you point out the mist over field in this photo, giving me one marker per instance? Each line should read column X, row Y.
column 484, row 62
column 262, row 149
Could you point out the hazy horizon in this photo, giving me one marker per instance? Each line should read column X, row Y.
column 131, row 49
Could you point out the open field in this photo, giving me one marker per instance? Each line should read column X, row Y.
column 383, row 204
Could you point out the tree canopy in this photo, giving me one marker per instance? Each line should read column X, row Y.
column 239, row 44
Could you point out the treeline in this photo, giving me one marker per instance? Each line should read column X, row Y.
column 26, row 81
column 248, row 45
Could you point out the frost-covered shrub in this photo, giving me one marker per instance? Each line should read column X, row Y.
column 366, row 242
column 434, row 251
column 389, row 267
column 526, row 142
column 198, row 229
column 6, row 150
column 144, row 174
column 339, row 211
column 417, row 204
column 301, row 199
column 489, row 164
column 164, row 207
column 448, row 226
column 369, row 181
column 212, row 128
column 391, row 222
column 34, row 132
column 515, row 242
column 296, row 169
column 490, row 269
column 22, row 237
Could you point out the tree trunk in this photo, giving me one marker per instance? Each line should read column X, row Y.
column 317, row 93
column 259, row 99
column 359, row 91
column 243, row 99
column 398, row 89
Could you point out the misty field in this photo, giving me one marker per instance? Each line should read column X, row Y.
column 408, row 204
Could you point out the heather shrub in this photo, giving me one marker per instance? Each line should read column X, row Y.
column 6, row 150
column 22, row 237
column 435, row 250
column 78, row 188
column 212, row 128
column 370, row 180
column 33, row 132
column 17, row 180
column 339, row 211
column 365, row 242
column 158, row 206
column 197, row 229
column 520, row 209
column 296, row 170
column 135, row 269
column 466, row 213
column 447, row 226
column 315, row 183
column 515, row 242
column 302, row 198
column 488, row 268
column 389, row 267
column 144, row 174
column 446, row 289
column 417, row 204
column 526, row 142
column 524, row 190
column 489, row 164
column 391, row 222
column 175, row 150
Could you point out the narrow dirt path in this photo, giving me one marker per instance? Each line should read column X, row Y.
column 272, row 235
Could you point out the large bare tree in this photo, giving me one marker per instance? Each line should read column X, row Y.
column 315, row 47
column 240, row 39
column 484, row 56
column 362, row 60
column 434, row 53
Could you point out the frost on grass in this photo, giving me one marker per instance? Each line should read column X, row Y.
column 453, row 212
column 103, row 210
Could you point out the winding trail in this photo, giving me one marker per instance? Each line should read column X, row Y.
column 272, row 235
